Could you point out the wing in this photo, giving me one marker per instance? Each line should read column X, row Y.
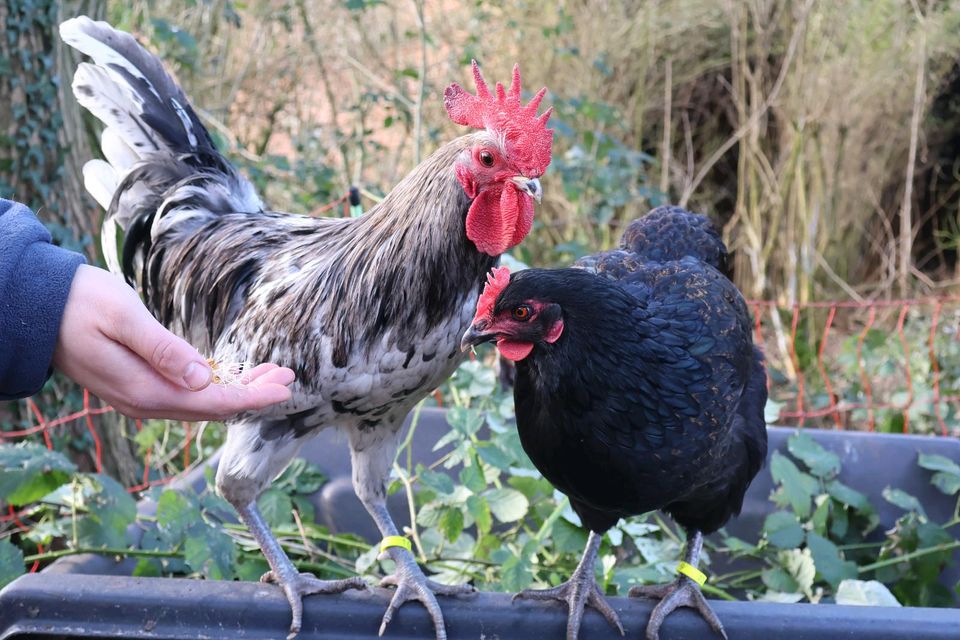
column 665, row 234
column 651, row 406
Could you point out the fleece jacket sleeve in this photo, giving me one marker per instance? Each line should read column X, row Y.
column 35, row 279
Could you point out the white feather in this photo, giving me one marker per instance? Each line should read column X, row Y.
column 113, row 103
column 108, row 244
column 117, row 151
column 74, row 32
column 100, row 179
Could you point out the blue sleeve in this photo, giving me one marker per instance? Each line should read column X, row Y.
column 35, row 279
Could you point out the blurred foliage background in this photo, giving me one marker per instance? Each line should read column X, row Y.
column 822, row 137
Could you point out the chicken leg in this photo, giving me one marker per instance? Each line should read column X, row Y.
column 372, row 452
column 580, row 590
column 295, row 585
column 682, row 592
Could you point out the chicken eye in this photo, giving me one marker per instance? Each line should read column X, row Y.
column 522, row 312
column 486, row 158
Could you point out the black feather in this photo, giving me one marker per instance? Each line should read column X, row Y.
column 652, row 397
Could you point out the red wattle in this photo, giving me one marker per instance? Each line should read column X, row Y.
column 514, row 349
column 498, row 220
column 522, row 205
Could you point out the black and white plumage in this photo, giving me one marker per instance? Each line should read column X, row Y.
column 638, row 388
column 368, row 311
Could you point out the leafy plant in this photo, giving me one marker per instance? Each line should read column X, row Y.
column 481, row 513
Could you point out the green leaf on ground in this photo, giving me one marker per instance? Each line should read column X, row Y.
column 210, row 551
column 507, row 505
column 821, row 462
column 783, row 530
column 935, row 462
column 30, row 471
column 826, row 557
column 796, row 487
column 451, row 523
column 111, row 510
column 276, row 507
column 865, row 592
column 903, row 500
column 11, row 563
column 479, row 508
column 516, row 574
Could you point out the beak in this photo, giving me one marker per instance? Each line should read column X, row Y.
column 475, row 335
column 530, row 186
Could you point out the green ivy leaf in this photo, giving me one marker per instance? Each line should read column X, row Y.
column 850, row 497
column 946, row 482
column 903, row 500
column 276, row 507
column 472, row 477
column 176, row 513
column 301, row 477
column 251, row 567
column 777, row 579
column 147, row 568
column 112, row 510
column 516, row 574
column 783, row 530
column 507, row 505
column 29, row 471
column 819, row 519
column 210, row 551
column 797, row 487
column 11, row 562
column 492, row 455
column 451, row 523
column 822, row 463
column 568, row 538
column 439, row 482
column 826, row 557
column 479, row 508
column 935, row 462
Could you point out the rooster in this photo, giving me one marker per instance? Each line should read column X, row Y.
column 638, row 388
column 367, row 311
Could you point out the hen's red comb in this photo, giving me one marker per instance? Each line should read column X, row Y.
column 526, row 132
column 497, row 281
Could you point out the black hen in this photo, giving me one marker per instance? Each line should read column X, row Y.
column 638, row 388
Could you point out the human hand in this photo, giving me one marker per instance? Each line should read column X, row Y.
column 111, row 344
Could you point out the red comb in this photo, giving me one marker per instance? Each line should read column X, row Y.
column 519, row 124
column 497, row 281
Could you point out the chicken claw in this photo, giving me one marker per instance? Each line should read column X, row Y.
column 411, row 585
column 305, row 584
column 577, row 592
column 682, row 592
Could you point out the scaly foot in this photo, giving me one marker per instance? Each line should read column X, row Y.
column 305, row 584
column 412, row 584
column 579, row 591
column 682, row 592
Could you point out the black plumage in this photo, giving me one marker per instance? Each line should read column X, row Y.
column 651, row 397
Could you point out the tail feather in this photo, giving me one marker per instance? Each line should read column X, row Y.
column 101, row 181
column 163, row 176
column 128, row 87
column 117, row 152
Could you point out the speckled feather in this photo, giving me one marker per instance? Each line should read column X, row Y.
column 367, row 311
column 653, row 396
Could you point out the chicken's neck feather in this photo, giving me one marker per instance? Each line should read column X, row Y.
column 407, row 264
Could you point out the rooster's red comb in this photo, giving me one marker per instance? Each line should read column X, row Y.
column 526, row 132
column 497, row 281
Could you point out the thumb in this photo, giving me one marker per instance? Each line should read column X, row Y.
column 171, row 356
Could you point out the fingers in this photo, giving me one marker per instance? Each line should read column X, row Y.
column 172, row 357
